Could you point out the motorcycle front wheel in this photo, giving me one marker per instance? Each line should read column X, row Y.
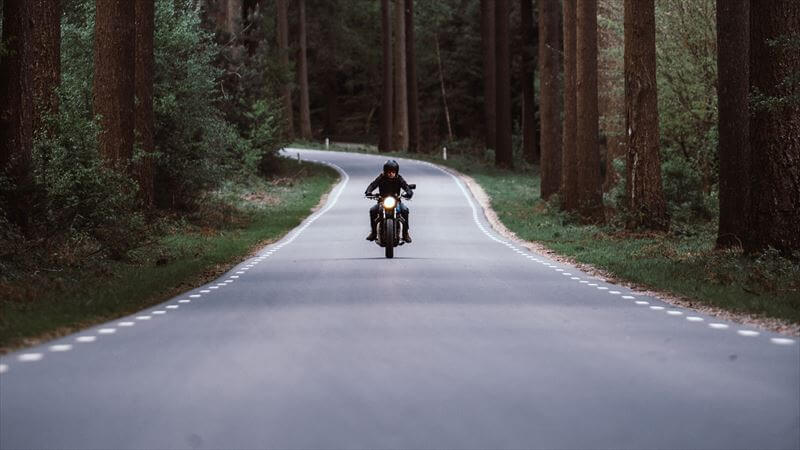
column 388, row 238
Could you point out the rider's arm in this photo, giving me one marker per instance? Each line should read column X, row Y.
column 373, row 185
column 409, row 192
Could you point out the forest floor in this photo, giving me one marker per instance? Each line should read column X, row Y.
column 680, row 266
column 47, row 297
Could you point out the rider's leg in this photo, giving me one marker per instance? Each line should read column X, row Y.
column 404, row 212
column 373, row 215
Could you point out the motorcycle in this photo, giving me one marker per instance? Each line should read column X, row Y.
column 390, row 223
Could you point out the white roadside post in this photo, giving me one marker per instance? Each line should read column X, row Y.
column 327, row 144
column 444, row 153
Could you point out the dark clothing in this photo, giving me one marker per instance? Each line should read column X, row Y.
column 389, row 186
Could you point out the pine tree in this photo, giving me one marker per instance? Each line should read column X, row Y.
column 774, row 219
column 733, row 64
column 305, row 111
column 529, row 144
column 590, row 187
column 549, row 105
column 46, row 66
column 414, row 143
column 569, row 157
column 489, row 83
column 17, row 110
column 503, row 152
column 283, row 48
column 643, row 174
column 113, row 86
column 145, row 116
column 400, row 138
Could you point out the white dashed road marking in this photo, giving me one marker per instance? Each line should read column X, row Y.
column 718, row 326
column 60, row 348
column 782, row 341
column 748, row 333
column 86, row 339
column 107, row 330
column 3, row 368
column 126, row 324
column 29, row 357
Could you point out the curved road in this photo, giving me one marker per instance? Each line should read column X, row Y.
column 463, row 340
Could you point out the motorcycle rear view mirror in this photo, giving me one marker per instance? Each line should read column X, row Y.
column 412, row 186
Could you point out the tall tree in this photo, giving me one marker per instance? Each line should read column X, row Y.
column 113, row 86
column 569, row 157
column 503, row 153
column 305, row 111
column 145, row 117
column 643, row 173
column 529, row 144
column 413, row 90
column 16, row 109
column 489, row 86
column 733, row 71
column 46, row 67
column 549, row 106
column 385, row 142
column 283, row 48
column 590, row 185
column 400, row 137
column 774, row 219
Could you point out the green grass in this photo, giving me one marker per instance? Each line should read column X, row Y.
column 238, row 219
column 682, row 262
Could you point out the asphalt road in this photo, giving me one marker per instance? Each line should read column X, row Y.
column 463, row 340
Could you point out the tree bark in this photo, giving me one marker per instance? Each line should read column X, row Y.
column 46, row 68
column 549, row 106
column 113, row 87
column 733, row 71
column 590, row 187
column 283, row 48
column 17, row 110
column 413, row 90
column 774, row 219
column 569, row 157
column 442, row 88
column 489, row 82
column 145, row 117
column 645, row 194
column 400, row 87
column 385, row 141
column 529, row 144
column 305, row 111
column 503, row 153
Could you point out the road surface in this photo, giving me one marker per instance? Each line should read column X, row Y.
column 463, row 340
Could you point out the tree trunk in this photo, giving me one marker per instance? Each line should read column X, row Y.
column 549, row 106
column 113, row 87
column 569, row 157
column 774, row 126
column 489, row 83
column 46, row 68
column 400, row 87
column 413, row 91
column 529, row 144
column 283, row 48
column 590, row 187
column 385, row 141
column 145, row 119
column 643, row 173
column 17, row 110
column 733, row 63
column 305, row 111
column 503, row 153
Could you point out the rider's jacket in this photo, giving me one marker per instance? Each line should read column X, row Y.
column 387, row 186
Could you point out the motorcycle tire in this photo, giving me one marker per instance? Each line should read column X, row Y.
column 388, row 238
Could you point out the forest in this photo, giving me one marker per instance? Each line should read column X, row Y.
column 121, row 119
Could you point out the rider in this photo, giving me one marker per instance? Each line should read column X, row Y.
column 389, row 182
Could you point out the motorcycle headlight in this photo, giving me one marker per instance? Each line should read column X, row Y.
column 389, row 202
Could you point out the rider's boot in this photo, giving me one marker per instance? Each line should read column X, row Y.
column 406, row 237
column 372, row 234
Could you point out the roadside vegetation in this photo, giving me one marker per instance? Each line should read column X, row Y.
column 75, row 289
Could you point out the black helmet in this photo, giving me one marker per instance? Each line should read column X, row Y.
column 391, row 166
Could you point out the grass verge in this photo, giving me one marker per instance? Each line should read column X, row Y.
column 236, row 219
